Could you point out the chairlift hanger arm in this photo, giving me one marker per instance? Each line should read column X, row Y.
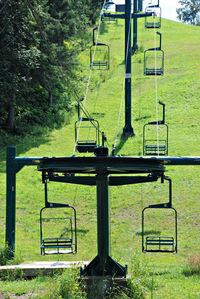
column 159, row 48
column 160, row 40
column 93, row 38
column 159, row 122
column 169, row 203
column 163, row 107
column 93, row 35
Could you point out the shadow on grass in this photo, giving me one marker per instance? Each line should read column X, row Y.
column 121, row 143
column 23, row 143
column 143, row 117
column 82, row 231
column 159, row 273
column 149, row 232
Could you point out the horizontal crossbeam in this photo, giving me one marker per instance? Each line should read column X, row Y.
column 91, row 181
column 123, row 16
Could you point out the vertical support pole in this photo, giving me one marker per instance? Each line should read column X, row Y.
column 140, row 5
column 103, row 265
column 128, row 130
column 10, row 200
column 103, row 221
column 135, row 27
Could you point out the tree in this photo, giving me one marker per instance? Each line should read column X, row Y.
column 18, row 56
column 40, row 41
column 189, row 12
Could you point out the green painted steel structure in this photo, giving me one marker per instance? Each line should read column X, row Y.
column 128, row 16
column 101, row 172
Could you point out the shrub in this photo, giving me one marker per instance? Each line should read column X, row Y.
column 4, row 255
column 69, row 287
column 193, row 265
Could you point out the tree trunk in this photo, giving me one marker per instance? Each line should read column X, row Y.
column 50, row 98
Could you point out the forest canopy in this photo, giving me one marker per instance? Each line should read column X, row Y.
column 40, row 42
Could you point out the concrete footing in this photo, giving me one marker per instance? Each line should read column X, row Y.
column 39, row 268
column 97, row 286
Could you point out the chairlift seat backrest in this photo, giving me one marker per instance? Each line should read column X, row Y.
column 99, row 57
column 86, row 135
column 159, row 241
column 151, row 145
column 66, row 241
column 154, row 21
column 154, row 62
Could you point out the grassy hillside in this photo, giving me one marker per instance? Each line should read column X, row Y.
column 179, row 90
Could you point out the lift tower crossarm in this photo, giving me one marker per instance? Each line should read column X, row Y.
column 133, row 15
column 106, row 170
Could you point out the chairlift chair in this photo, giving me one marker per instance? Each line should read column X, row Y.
column 154, row 60
column 66, row 241
column 99, row 55
column 153, row 21
column 58, row 233
column 152, row 145
column 150, row 67
column 153, row 242
column 86, row 135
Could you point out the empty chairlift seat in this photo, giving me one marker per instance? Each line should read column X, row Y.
column 151, row 145
column 159, row 244
column 154, row 60
column 58, row 230
column 99, row 55
column 153, row 21
column 154, row 147
column 155, row 137
column 159, row 226
column 86, row 135
column 159, row 240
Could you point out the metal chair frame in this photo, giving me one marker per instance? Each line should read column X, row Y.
column 57, row 245
column 83, row 145
column 155, row 70
column 153, row 243
column 154, row 147
column 156, row 24
column 97, row 64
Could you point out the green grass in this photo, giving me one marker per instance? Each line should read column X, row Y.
column 179, row 90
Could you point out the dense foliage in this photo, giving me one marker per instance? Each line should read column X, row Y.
column 39, row 71
column 189, row 12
